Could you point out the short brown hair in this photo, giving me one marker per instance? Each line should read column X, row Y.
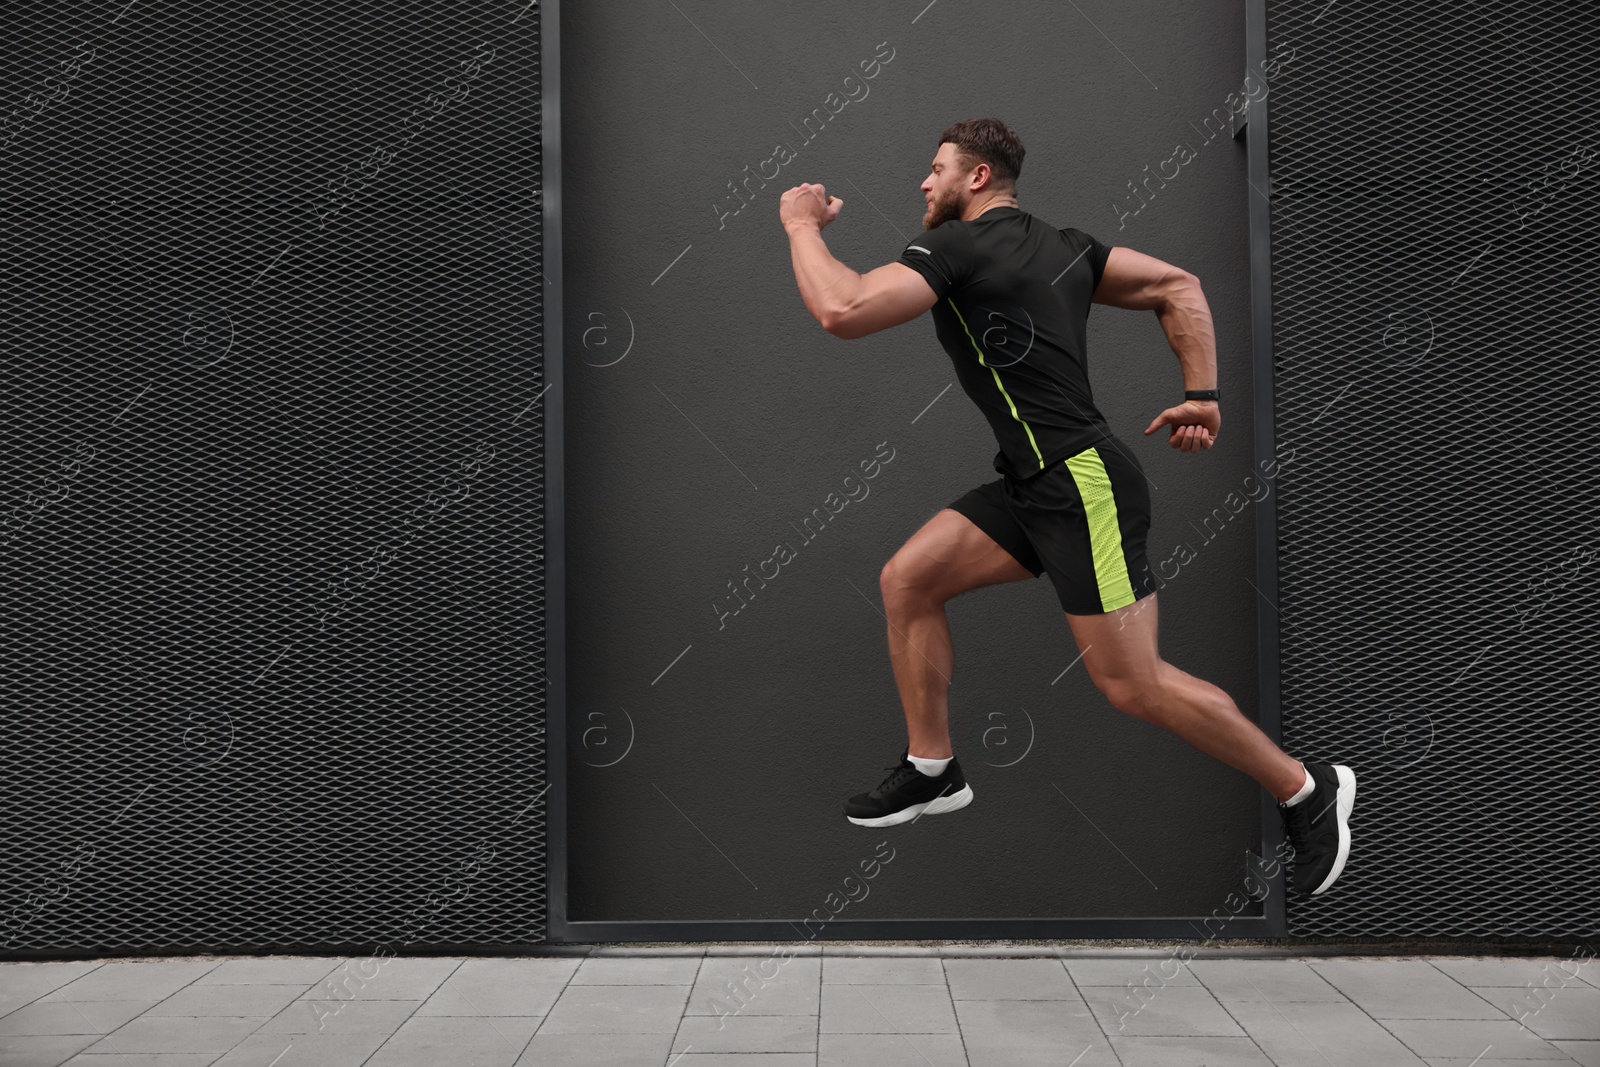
column 987, row 141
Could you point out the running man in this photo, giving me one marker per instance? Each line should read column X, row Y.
column 1010, row 296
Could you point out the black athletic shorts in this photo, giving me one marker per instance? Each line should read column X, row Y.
column 1082, row 520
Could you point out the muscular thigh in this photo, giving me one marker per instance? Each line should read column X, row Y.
column 1120, row 648
column 951, row 555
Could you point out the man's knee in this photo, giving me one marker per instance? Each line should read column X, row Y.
column 902, row 580
column 1140, row 697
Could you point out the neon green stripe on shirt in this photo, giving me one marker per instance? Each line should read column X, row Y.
column 998, row 384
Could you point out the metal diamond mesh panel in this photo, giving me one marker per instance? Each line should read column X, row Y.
column 272, row 477
column 1434, row 219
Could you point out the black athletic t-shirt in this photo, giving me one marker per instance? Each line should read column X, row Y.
column 1012, row 311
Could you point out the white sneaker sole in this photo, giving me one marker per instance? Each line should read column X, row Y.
column 1345, row 801
column 936, row 806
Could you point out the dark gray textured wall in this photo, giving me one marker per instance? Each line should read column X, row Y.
column 708, row 414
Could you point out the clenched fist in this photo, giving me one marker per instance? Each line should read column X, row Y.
column 808, row 205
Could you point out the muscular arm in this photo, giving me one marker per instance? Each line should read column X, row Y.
column 1139, row 282
column 847, row 304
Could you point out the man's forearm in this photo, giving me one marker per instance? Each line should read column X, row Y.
column 1186, row 320
column 826, row 285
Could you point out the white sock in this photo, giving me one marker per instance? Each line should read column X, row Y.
column 1304, row 792
column 930, row 767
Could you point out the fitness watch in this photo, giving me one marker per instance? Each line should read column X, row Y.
column 1202, row 394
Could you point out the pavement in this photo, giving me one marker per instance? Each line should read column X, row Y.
column 806, row 1005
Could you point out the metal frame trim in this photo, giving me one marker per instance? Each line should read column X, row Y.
column 560, row 930
column 788, row 931
column 555, row 562
column 1268, row 687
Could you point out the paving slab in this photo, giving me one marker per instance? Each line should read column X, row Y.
column 270, row 970
column 1469, row 1038
column 499, row 987
column 296, row 1050
column 746, row 1033
column 1277, row 981
column 620, row 970
column 87, row 1017
column 21, row 983
column 1571, row 1013
column 1586, row 1053
column 144, row 1059
column 866, row 1008
column 1512, row 971
column 1176, row 1011
column 985, row 1051
column 1309, row 1034
column 342, row 1017
column 1043, row 979
column 891, row 1050
column 747, row 986
column 28, row 1050
column 1404, row 989
column 1120, row 972
column 227, row 999
column 148, row 1035
column 742, row 1059
column 145, row 980
column 1189, row 1052
column 383, row 978
column 429, row 1042
column 1025, row 1032
column 599, row 1009
column 882, row 970
column 595, row 1050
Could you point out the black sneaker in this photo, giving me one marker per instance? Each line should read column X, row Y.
column 908, row 794
column 1319, row 827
